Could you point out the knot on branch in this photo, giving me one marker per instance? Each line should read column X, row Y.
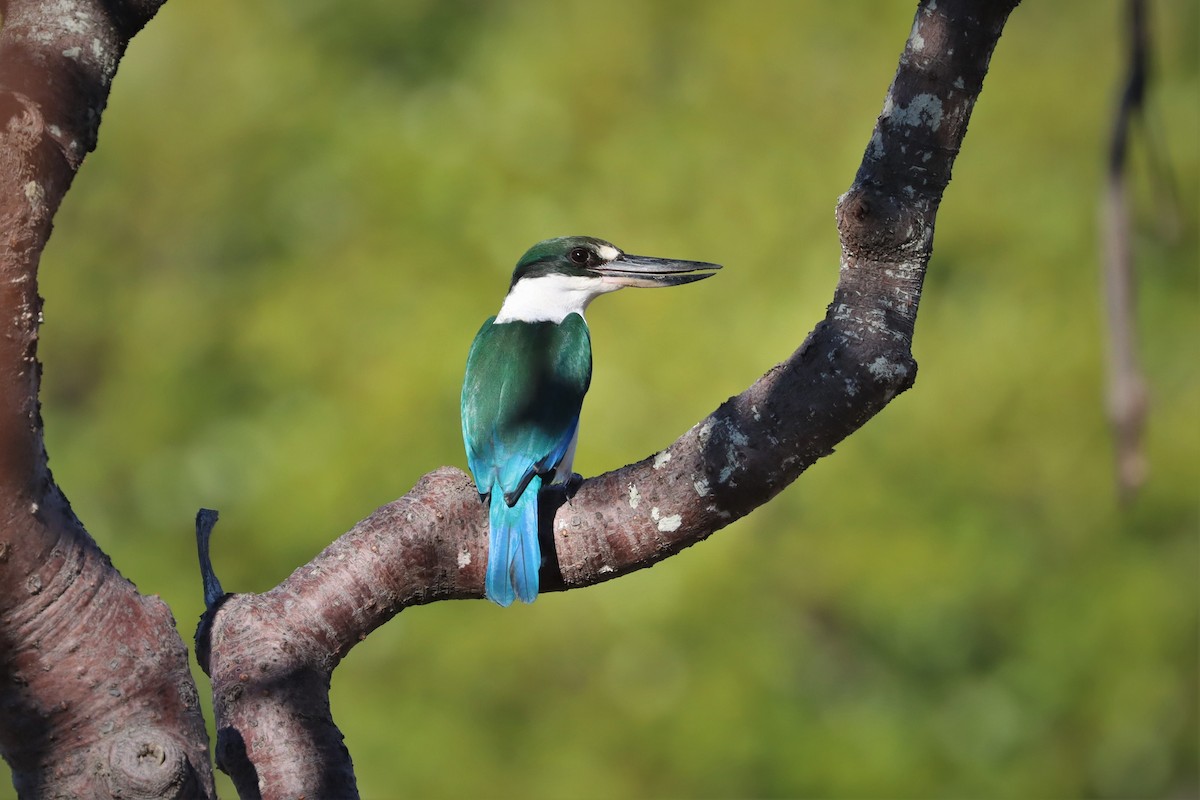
column 878, row 226
column 147, row 763
column 20, row 119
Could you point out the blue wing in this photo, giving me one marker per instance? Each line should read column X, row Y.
column 521, row 398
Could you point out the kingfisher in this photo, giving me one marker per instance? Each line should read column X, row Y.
column 527, row 372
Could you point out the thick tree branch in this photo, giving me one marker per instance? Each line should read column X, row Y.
column 95, row 694
column 272, row 654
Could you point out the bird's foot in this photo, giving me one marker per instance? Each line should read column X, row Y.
column 563, row 492
column 572, row 484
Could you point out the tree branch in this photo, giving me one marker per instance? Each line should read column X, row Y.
column 272, row 654
column 95, row 693
column 1128, row 397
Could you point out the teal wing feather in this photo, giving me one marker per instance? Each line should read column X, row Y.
column 521, row 398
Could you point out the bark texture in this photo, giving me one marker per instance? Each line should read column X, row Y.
column 270, row 656
column 96, row 699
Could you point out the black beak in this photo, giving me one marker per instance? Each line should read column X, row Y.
column 647, row 271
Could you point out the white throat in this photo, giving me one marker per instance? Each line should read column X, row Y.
column 550, row 298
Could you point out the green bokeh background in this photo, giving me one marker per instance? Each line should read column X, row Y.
column 261, row 289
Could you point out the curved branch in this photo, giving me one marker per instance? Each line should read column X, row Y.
column 95, row 693
column 431, row 544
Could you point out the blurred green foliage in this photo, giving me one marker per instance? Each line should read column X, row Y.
column 261, row 289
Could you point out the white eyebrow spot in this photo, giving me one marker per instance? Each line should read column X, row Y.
column 608, row 252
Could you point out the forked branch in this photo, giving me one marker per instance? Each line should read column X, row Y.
column 272, row 654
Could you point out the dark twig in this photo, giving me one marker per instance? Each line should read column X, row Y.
column 206, row 520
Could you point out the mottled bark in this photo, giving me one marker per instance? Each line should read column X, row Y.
column 272, row 654
column 96, row 698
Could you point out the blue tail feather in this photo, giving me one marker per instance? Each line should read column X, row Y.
column 514, row 555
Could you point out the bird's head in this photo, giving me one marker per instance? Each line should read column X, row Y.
column 588, row 258
column 559, row 276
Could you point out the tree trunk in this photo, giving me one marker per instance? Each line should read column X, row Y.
column 95, row 693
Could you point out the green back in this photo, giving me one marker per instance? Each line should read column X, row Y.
column 521, row 398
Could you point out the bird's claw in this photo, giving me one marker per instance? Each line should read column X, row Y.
column 566, row 490
column 572, row 484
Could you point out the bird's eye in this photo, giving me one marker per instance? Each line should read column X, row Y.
column 579, row 255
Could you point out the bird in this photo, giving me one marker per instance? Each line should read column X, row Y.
column 527, row 372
